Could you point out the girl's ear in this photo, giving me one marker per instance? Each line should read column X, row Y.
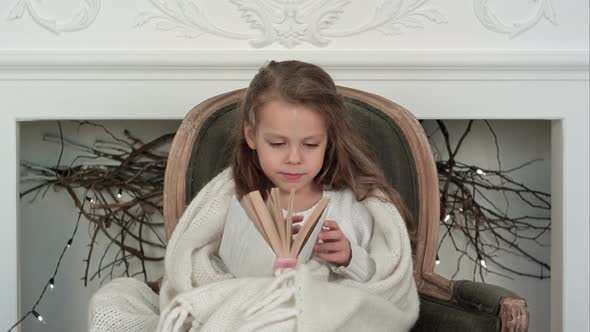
column 250, row 136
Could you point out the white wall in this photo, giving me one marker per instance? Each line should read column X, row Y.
column 103, row 67
column 47, row 223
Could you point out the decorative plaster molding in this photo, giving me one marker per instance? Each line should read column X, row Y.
column 241, row 65
column 490, row 20
column 289, row 22
column 436, row 60
column 79, row 21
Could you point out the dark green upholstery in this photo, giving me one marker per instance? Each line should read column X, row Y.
column 441, row 316
column 478, row 303
column 211, row 150
column 476, row 309
column 390, row 148
column 479, row 296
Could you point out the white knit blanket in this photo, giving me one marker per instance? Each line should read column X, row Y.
column 199, row 295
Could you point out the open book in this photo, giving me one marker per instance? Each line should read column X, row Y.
column 257, row 235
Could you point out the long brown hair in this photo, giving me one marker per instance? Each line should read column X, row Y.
column 348, row 162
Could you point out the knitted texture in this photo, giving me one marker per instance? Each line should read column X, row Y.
column 124, row 304
column 198, row 294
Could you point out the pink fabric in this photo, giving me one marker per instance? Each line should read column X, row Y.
column 284, row 263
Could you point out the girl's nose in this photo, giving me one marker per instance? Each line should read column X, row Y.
column 294, row 156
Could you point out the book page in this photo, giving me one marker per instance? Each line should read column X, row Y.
column 267, row 223
column 305, row 240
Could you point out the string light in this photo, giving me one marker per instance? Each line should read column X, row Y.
column 483, row 263
column 447, row 217
column 120, row 193
column 480, row 172
column 37, row 315
column 51, row 283
column 437, row 262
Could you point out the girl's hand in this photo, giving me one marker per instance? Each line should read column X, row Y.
column 296, row 227
column 335, row 247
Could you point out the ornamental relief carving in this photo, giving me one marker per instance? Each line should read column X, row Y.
column 286, row 22
column 489, row 18
column 80, row 20
column 290, row 22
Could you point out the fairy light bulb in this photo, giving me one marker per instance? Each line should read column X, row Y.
column 447, row 217
column 51, row 283
column 120, row 193
column 483, row 263
column 480, row 172
column 437, row 262
column 69, row 243
column 38, row 316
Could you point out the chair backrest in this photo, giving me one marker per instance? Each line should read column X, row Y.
column 201, row 149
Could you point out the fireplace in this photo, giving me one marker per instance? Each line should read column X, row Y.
column 546, row 86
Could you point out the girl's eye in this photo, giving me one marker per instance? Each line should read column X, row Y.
column 276, row 144
column 311, row 145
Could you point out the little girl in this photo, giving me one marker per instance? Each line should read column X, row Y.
column 296, row 134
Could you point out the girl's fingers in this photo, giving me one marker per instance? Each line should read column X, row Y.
column 336, row 257
column 329, row 235
column 297, row 219
column 296, row 227
column 331, row 224
column 333, row 246
column 330, row 246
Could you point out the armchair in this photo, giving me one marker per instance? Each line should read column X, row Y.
column 200, row 150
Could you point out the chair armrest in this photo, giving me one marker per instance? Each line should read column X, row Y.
column 495, row 300
column 446, row 316
column 479, row 296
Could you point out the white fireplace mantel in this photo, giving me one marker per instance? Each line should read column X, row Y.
column 433, row 85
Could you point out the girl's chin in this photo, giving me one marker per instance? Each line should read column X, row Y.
column 286, row 188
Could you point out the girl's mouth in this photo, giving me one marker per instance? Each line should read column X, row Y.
column 292, row 176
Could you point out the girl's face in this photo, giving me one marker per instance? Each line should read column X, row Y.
column 290, row 141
